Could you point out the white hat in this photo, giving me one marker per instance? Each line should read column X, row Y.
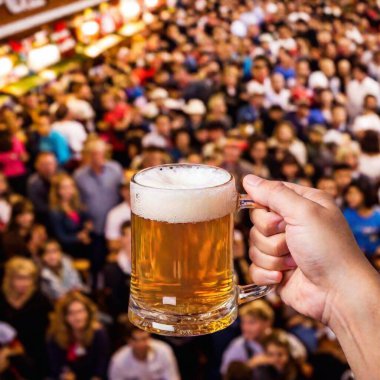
column 266, row 37
column 150, row 110
column 159, row 94
column 255, row 88
column 318, row 80
column 174, row 104
column 239, row 29
column 194, row 107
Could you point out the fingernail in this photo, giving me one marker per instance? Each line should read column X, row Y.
column 289, row 261
column 252, row 180
column 281, row 226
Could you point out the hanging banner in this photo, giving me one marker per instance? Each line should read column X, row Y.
column 20, row 15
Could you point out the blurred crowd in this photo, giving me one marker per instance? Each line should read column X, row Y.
column 285, row 90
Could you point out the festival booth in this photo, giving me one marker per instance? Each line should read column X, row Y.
column 40, row 39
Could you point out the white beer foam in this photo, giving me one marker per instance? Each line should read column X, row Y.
column 183, row 194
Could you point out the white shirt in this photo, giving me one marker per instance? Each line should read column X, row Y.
column 370, row 165
column 366, row 122
column 160, row 364
column 74, row 133
column 80, row 109
column 357, row 91
column 278, row 98
column 115, row 218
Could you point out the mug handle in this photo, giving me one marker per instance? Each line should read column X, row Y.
column 251, row 292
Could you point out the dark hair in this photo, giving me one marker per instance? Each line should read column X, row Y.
column 44, row 113
column 125, row 225
column 61, row 112
column 5, row 141
column 369, row 195
column 238, row 371
column 48, row 242
column 370, row 142
column 129, row 328
column 19, row 208
column 361, row 67
column 338, row 167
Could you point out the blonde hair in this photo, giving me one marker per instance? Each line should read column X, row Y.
column 54, row 197
column 19, row 266
column 60, row 331
column 258, row 309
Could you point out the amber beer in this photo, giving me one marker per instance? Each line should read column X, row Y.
column 182, row 272
column 182, row 267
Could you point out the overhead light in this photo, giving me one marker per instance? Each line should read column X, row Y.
column 130, row 9
column 90, row 28
column 43, row 56
column 6, row 65
column 151, row 3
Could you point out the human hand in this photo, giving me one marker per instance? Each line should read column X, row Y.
column 304, row 244
column 260, row 360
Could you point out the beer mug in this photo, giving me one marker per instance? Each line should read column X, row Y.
column 183, row 281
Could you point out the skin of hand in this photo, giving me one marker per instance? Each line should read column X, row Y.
column 303, row 243
column 260, row 360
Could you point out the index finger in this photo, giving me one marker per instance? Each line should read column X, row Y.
column 267, row 222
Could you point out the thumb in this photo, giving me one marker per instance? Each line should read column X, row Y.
column 276, row 196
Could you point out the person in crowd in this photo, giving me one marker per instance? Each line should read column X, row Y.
column 117, row 216
column 369, row 119
column 26, row 309
column 277, row 361
column 98, row 182
column 73, row 131
column 5, row 202
column 359, row 87
column 16, row 235
column 12, row 159
column 70, row 223
column 78, row 345
column 39, row 183
column 284, row 137
column 117, row 275
column 362, row 217
column 369, row 160
column 58, row 275
column 44, row 139
column 256, row 319
column 36, row 240
column 14, row 363
column 143, row 358
column 258, row 155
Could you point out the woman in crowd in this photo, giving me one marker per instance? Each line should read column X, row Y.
column 70, row 223
column 363, row 217
column 78, row 345
column 284, row 137
column 277, row 362
column 12, row 159
column 258, row 154
column 17, row 232
column 26, row 310
column 58, row 274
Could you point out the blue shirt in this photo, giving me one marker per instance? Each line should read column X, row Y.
column 99, row 192
column 365, row 229
column 56, row 144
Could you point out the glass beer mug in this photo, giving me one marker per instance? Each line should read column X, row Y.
column 182, row 264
